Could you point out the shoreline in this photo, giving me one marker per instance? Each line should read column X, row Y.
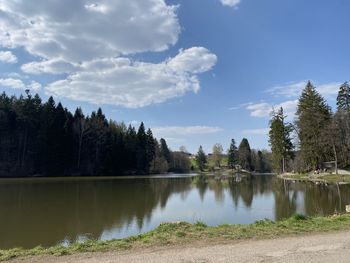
column 332, row 246
column 91, row 178
column 182, row 233
column 320, row 178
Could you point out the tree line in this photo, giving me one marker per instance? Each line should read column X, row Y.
column 242, row 156
column 317, row 139
column 45, row 139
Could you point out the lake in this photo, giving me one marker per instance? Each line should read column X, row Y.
column 60, row 211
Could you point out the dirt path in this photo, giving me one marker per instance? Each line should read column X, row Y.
column 333, row 247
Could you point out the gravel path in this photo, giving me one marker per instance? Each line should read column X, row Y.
column 332, row 247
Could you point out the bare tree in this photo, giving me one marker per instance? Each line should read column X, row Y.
column 217, row 154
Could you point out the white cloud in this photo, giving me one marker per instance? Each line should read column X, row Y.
column 174, row 140
column 19, row 84
column 194, row 60
column 294, row 89
column 231, row 3
column 261, row 109
column 8, row 57
column 289, row 107
column 262, row 131
column 14, row 75
column 171, row 131
column 83, row 30
column 264, row 109
column 291, row 91
column 329, row 90
column 34, row 85
column 53, row 66
column 120, row 81
column 90, row 41
column 12, row 83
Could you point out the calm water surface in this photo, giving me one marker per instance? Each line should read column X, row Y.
column 49, row 212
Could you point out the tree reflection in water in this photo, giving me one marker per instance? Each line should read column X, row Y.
column 46, row 213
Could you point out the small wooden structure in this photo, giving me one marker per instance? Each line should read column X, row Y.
column 331, row 165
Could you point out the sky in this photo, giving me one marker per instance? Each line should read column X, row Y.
column 197, row 72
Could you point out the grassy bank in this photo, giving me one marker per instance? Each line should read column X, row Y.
column 185, row 233
column 323, row 177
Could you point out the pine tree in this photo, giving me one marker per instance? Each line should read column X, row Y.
column 44, row 139
column 245, row 155
column 80, row 130
column 260, row 163
column 59, row 135
column 141, row 153
column 47, row 138
column 130, row 148
column 99, row 138
column 232, row 155
column 280, row 140
column 150, row 148
column 342, row 125
column 343, row 99
column 201, row 159
column 313, row 115
column 165, row 151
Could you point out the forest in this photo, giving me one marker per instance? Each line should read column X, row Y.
column 44, row 139
column 318, row 139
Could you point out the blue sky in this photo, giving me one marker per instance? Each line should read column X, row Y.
column 197, row 72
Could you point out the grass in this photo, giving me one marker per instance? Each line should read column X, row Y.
column 337, row 178
column 324, row 177
column 185, row 233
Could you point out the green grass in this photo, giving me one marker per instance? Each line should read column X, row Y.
column 324, row 177
column 185, row 233
column 336, row 178
column 210, row 164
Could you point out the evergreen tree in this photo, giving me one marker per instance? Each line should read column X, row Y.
column 165, row 151
column 343, row 98
column 44, row 139
column 141, row 154
column 245, row 155
column 59, row 136
column 260, row 162
column 98, row 138
column 201, row 159
column 280, row 141
column 28, row 121
column 130, row 148
column 159, row 163
column 150, row 148
column 47, row 138
column 313, row 115
column 80, row 130
column 341, row 125
column 232, row 157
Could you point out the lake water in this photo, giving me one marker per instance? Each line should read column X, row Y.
column 47, row 212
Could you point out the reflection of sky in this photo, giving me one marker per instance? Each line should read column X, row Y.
column 107, row 209
column 191, row 208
